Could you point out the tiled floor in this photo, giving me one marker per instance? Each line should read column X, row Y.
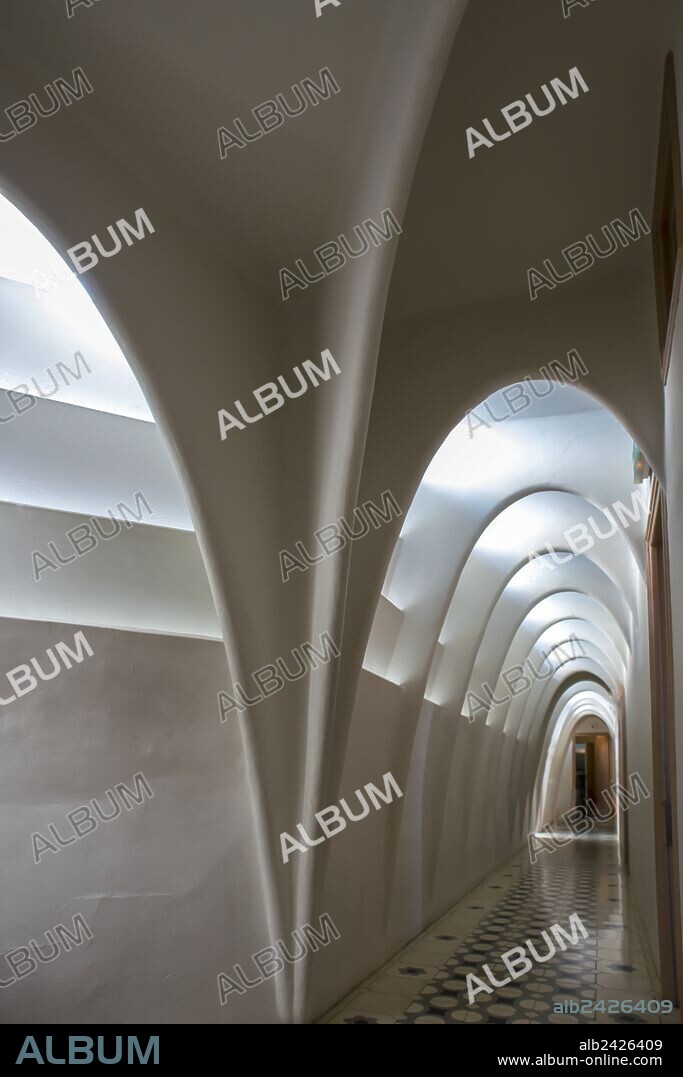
column 426, row 983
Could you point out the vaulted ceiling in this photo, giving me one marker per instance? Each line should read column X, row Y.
column 423, row 328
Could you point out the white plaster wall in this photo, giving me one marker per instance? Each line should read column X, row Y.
column 197, row 309
column 565, row 799
column 146, row 578
column 638, row 757
column 61, row 456
column 162, row 887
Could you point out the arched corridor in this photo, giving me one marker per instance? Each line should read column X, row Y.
column 606, row 977
column 511, row 620
column 341, row 504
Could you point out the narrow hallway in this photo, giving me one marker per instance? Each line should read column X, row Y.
column 427, row 982
column 341, row 504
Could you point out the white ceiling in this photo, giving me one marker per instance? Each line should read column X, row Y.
column 41, row 328
column 90, row 441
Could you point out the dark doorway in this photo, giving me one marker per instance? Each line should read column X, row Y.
column 582, row 761
column 592, row 773
column 663, row 748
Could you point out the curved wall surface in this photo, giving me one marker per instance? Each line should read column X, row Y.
column 440, row 403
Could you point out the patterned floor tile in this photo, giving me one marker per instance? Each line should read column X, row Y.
column 515, row 910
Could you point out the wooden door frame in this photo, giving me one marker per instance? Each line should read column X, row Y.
column 574, row 739
column 668, row 201
column 663, row 747
column 620, row 772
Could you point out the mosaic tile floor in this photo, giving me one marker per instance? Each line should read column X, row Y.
column 426, row 983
